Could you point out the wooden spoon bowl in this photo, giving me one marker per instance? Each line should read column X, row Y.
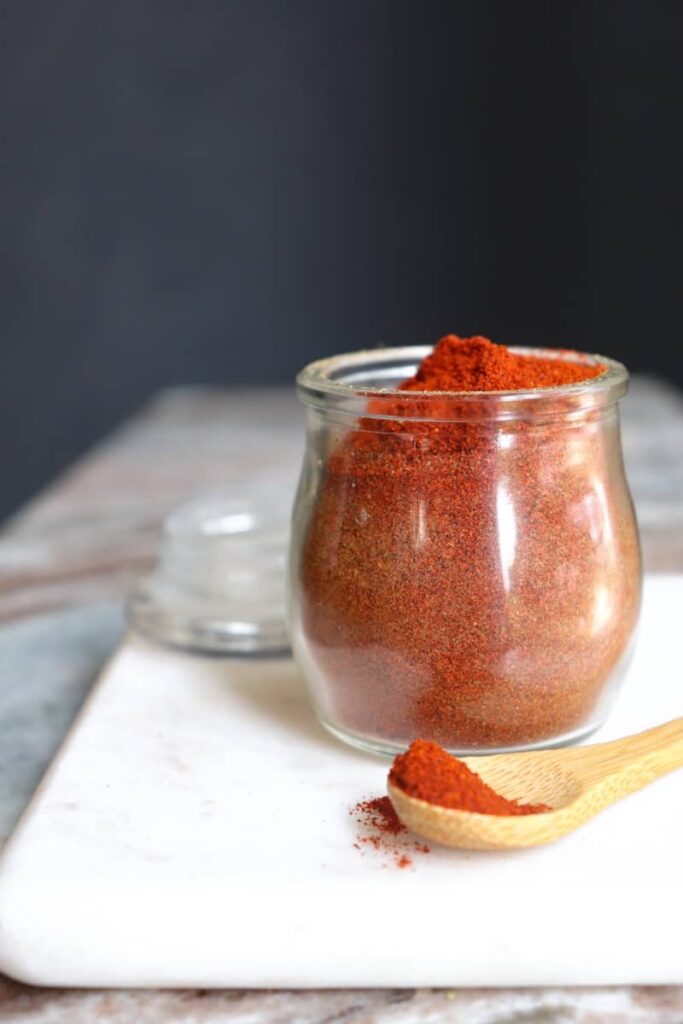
column 576, row 783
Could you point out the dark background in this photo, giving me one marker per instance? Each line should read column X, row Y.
column 216, row 191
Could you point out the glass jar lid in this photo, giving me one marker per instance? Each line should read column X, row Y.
column 219, row 584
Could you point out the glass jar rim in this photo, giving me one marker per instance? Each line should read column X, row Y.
column 341, row 382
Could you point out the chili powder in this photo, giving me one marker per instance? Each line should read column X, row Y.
column 427, row 772
column 381, row 830
column 472, row 579
column 477, row 364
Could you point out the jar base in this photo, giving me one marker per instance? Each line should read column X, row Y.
column 386, row 748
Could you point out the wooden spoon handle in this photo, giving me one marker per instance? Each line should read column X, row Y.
column 634, row 760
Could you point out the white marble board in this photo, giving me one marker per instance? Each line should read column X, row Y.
column 194, row 832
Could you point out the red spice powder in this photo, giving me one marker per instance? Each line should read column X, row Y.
column 382, row 831
column 477, row 364
column 472, row 581
column 429, row 773
column 379, row 813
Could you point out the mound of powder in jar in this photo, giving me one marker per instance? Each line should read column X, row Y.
column 477, row 364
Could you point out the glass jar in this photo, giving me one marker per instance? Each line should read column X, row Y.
column 464, row 566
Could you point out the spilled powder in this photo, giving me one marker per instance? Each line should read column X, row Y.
column 381, row 831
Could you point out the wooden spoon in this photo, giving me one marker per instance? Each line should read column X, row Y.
column 577, row 783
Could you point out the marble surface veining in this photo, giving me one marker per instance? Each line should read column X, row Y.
column 22, row 1005
column 67, row 559
column 48, row 664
